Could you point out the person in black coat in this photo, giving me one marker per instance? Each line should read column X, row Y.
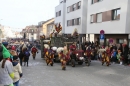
column 21, row 55
column 126, row 50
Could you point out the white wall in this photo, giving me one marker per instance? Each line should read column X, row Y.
column 72, row 15
column 110, row 27
column 76, row 14
column 128, row 18
column 60, row 19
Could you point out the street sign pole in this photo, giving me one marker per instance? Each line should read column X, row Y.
column 102, row 37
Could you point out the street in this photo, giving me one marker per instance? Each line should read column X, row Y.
column 39, row 74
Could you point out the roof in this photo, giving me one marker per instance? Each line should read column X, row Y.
column 48, row 20
column 51, row 23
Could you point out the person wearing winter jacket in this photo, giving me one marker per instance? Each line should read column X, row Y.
column 17, row 71
column 6, row 69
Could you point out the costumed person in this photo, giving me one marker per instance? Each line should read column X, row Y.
column 34, row 50
column 103, row 57
column 49, row 56
column 6, row 69
column 87, row 55
column 63, row 60
column 13, row 48
column 17, row 71
column 73, row 47
column 46, row 47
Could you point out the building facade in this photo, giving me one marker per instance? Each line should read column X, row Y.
column 50, row 28
column 44, row 26
column 71, row 14
column 111, row 16
column 31, row 32
column 60, row 14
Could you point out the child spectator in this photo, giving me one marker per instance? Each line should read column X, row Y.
column 17, row 71
column 114, row 56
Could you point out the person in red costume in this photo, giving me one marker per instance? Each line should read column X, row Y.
column 63, row 60
column 13, row 48
column 34, row 51
column 73, row 47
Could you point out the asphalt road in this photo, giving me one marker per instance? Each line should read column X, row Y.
column 39, row 74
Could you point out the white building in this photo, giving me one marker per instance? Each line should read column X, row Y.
column 112, row 16
column 60, row 14
column 92, row 16
column 72, row 14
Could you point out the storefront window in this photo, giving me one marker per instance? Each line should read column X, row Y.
column 129, row 36
column 121, row 40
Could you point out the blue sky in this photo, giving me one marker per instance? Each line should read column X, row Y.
column 20, row 13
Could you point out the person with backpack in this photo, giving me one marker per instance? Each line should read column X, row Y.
column 26, row 56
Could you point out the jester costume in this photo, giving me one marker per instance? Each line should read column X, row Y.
column 105, row 58
column 63, row 60
column 49, row 56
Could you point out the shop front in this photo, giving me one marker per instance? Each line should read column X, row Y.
column 113, row 39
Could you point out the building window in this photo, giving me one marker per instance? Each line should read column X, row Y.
column 74, row 7
column 61, row 2
column 92, row 1
column 78, row 21
column 99, row 0
column 99, row 17
column 56, row 14
column 91, row 19
column 68, row 9
column 59, row 13
column 129, row 36
column 64, row 1
column 79, row 5
column 120, row 41
column 116, row 14
column 73, row 21
column 68, row 22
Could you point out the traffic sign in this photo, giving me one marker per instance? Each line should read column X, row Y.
column 101, row 36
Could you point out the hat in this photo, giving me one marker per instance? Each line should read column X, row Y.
column 15, row 57
column 5, row 53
